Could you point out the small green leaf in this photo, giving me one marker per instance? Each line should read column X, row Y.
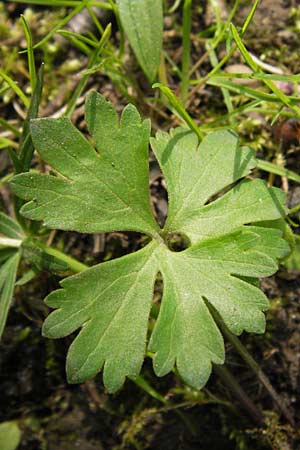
column 8, row 273
column 228, row 226
column 10, row 435
column 26, row 277
column 142, row 21
column 10, row 227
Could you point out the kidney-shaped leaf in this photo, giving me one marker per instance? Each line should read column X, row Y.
column 102, row 185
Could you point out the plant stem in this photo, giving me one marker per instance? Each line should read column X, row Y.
column 143, row 384
column 227, row 99
column 9, row 242
column 239, row 393
column 186, row 49
column 295, row 209
column 252, row 364
column 75, row 265
column 175, row 103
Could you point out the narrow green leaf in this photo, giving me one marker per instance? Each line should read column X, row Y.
column 6, row 253
column 248, row 59
column 93, row 59
column 254, row 76
column 93, row 43
column 10, row 227
column 277, row 170
column 214, row 61
column 80, row 6
column 15, row 88
column 26, row 277
column 30, row 53
column 26, row 145
column 8, row 126
column 68, row 3
column 186, row 48
column 249, row 92
column 73, row 39
column 249, row 17
column 6, row 142
column 233, row 48
column 179, row 108
column 8, row 273
column 15, row 160
column 142, row 21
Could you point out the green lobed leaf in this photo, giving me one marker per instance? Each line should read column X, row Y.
column 142, row 21
column 185, row 332
column 111, row 302
column 95, row 192
column 233, row 243
column 195, row 173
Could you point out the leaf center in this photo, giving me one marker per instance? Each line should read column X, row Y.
column 177, row 242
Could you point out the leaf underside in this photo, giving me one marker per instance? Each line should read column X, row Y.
column 102, row 185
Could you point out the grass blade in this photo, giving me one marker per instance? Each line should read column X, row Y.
column 62, row 23
column 186, row 49
column 277, row 170
column 93, row 59
column 179, row 108
column 233, row 48
column 26, row 146
column 67, row 3
column 15, row 88
column 30, row 53
column 249, row 92
column 8, row 273
column 214, row 61
column 248, row 59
